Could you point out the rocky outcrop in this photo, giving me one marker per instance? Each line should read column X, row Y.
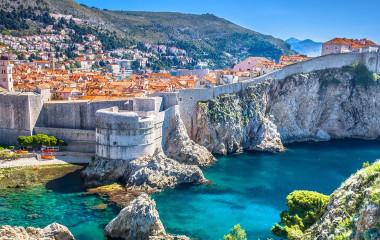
column 53, row 231
column 158, row 172
column 139, row 221
column 318, row 106
column 101, row 172
column 354, row 209
column 180, row 147
column 150, row 173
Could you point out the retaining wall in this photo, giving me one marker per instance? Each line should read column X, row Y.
column 77, row 140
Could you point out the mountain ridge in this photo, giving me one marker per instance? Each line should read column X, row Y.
column 204, row 36
column 306, row 47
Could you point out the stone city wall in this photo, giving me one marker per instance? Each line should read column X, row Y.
column 127, row 135
column 18, row 115
column 77, row 140
column 73, row 114
column 188, row 98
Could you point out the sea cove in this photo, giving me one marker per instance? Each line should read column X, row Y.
column 251, row 188
column 63, row 200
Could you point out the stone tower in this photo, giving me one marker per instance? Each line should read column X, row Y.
column 6, row 74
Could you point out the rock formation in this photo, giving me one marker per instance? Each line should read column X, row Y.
column 173, row 164
column 354, row 209
column 320, row 105
column 139, row 221
column 150, row 173
column 53, row 231
column 159, row 172
column 180, row 147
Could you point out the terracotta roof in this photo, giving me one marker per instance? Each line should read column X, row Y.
column 353, row 43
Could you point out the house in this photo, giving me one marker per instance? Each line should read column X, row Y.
column 344, row 45
column 255, row 64
column 288, row 60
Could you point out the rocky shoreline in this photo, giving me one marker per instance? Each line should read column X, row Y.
column 53, row 231
column 179, row 163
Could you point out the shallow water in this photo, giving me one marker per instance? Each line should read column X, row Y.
column 251, row 188
column 62, row 200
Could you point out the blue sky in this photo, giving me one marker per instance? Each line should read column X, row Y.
column 319, row 20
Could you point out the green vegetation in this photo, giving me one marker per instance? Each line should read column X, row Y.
column 219, row 41
column 37, row 140
column 236, row 233
column 31, row 176
column 304, row 209
column 361, row 75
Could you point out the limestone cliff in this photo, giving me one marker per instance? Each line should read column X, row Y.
column 354, row 209
column 180, row 147
column 139, row 221
column 53, row 231
column 320, row 105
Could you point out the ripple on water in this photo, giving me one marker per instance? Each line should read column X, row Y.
column 62, row 201
column 251, row 188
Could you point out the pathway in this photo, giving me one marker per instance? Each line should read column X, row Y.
column 62, row 158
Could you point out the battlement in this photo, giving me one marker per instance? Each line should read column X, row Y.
column 130, row 134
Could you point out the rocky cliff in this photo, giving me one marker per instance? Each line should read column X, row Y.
column 354, row 209
column 320, row 105
column 53, row 231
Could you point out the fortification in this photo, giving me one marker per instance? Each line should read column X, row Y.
column 133, row 133
column 142, row 124
column 188, row 98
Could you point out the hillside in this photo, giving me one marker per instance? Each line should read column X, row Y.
column 306, row 47
column 204, row 37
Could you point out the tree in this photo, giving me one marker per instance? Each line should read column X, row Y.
column 304, row 209
column 236, row 233
column 25, row 141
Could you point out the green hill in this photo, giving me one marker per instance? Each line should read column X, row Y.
column 203, row 36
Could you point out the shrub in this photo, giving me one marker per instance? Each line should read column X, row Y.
column 236, row 233
column 304, row 209
column 365, row 164
column 37, row 140
column 25, row 141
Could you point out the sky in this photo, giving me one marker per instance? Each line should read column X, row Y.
column 319, row 20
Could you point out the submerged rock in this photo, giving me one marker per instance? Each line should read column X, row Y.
column 139, row 221
column 53, row 231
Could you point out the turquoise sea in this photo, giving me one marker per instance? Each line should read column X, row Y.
column 63, row 201
column 251, row 188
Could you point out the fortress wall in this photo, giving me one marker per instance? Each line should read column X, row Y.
column 125, row 135
column 371, row 60
column 189, row 98
column 169, row 99
column 77, row 140
column 18, row 113
column 73, row 115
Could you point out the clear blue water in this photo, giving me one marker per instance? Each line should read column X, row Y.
column 63, row 201
column 251, row 188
